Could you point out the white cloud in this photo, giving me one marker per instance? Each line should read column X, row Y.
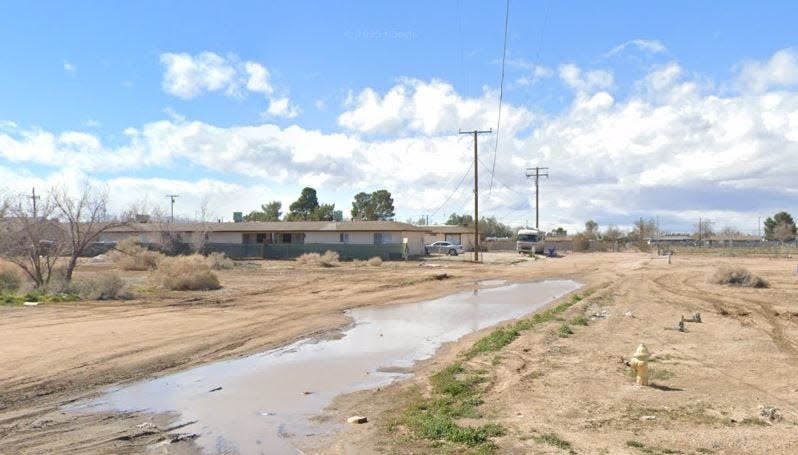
column 70, row 68
column 187, row 76
column 781, row 70
column 585, row 82
column 258, row 78
column 282, row 107
column 645, row 45
column 667, row 149
column 91, row 123
column 431, row 108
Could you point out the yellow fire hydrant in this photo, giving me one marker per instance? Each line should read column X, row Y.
column 639, row 364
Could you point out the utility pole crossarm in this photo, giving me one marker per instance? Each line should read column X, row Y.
column 476, row 188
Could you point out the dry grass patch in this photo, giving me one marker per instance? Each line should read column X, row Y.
column 129, row 255
column 738, row 276
column 186, row 273
column 218, row 261
column 328, row 259
column 376, row 261
column 103, row 286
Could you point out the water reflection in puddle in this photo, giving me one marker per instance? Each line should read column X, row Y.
column 257, row 404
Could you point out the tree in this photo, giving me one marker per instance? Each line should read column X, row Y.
column 323, row 212
column 460, row 220
column 559, row 232
column 643, row 229
column 361, row 206
column 85, row 217
column 30, row 239
column 784, row 232
column 303, row 208
column 612, row 234
column 730, row 233
column 591, row 229
column 704, row 229
column 771, row 223
column 372, row 207
column 268, row 212
column 490, row 227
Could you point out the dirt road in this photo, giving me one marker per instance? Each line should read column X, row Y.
column 742, row 357
column 728, row 385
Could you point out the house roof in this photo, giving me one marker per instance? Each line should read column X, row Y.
column 272, row 226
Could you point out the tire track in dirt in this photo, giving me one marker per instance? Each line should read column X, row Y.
column 740, row 306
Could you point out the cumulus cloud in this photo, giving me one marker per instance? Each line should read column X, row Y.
column 430, row 108
column 645, row 45
column 258, row 78
column 779, row 71
column 70, row 68
column 666, row 149
column 585, row 82
column 187, row 76
column 282, row 107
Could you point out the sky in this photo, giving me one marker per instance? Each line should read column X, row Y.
column 677, row 111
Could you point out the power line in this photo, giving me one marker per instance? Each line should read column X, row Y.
column 455, row 190
column 501, row 95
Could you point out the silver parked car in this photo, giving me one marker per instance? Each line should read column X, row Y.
column 452, row 249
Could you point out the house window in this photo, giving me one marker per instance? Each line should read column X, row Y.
column 263, row 238
column 286, row 238
column 381, row 238
column 246, row 238
column 344, row 237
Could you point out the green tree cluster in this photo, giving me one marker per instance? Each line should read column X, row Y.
column 268, row 212
column 373, row 207
column 780, row 227
column 307, row 208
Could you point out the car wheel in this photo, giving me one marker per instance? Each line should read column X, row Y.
column 452, row 252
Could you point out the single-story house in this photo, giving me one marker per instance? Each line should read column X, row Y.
column 460, row 235
column 278, row 239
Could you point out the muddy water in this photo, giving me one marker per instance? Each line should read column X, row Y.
column 260, row 403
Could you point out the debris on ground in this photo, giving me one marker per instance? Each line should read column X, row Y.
column 357, row 419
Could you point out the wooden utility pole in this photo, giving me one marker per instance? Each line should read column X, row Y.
column 34, row 198
column 476, row 189
column 537, row 176
column 172, row 198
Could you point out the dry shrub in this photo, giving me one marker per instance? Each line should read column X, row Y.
column 376, row 261
column 328, row 259
column 738, row 276
column 103, row 286
column 129, row 255
column 10, row 279
column 309, row 259
column 580, row 243
column 218, row 261
column 186, row 273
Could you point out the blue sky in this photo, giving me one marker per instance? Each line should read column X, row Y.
column 247, row 103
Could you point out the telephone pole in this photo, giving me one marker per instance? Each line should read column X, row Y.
column 476, row 189
column 34, row 198
column 172, row 198
column 537, row 176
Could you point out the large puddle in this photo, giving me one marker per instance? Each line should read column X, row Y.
column 260, row 403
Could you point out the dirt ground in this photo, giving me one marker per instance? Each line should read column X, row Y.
column 711, row 382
